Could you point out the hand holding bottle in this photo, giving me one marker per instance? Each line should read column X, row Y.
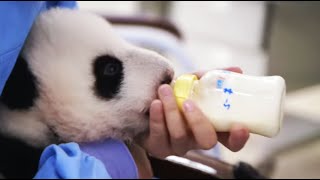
column 175, row 133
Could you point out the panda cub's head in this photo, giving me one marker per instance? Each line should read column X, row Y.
column 76, row 80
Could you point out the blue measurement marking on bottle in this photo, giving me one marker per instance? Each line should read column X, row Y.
column 227, row 105
column 226, row 90
column 219, row 83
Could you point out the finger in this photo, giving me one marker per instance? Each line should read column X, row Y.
column 234, row 69
column 199, row 74
column 202, row 129
column 159, row 136
column 236, row 139
column 174, row 120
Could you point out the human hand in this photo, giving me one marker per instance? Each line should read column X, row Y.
column 175, row 133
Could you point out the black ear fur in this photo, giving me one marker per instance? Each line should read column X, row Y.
column 20, row 90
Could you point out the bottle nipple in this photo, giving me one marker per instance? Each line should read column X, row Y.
column 183, row 88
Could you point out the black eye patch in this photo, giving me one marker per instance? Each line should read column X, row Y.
column 108, row 72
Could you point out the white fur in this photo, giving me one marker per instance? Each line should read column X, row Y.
column 60, row 51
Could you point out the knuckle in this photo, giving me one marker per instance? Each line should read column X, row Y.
column 170, row 106
column 206, row 145
column 195, row 120
column 162, row 154
column 179, row 137
column 180, row 152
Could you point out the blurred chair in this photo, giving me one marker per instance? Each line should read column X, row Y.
column 155, row 34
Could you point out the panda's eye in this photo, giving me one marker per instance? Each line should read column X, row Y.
column 108, row 71
column 112, row 68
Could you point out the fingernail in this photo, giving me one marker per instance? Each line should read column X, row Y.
column 188, row 106
column 165, row 91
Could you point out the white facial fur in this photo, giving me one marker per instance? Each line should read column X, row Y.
column 60, row 51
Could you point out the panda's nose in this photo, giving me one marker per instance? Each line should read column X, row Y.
column 167, row 77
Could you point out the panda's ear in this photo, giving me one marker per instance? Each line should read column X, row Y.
column 20, row 90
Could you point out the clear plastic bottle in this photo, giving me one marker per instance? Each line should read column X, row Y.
column 227, row 97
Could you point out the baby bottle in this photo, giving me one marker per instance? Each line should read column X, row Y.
column 227, row 97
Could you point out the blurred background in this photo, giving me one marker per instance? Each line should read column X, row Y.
column 263, row 38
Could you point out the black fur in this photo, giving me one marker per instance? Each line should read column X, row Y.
column 109, row 75
column 18, row 160
column 20, row 90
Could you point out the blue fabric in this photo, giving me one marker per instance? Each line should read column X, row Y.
column 16, row 19
column 67, row 161
column 108, row 159
column 115, row 156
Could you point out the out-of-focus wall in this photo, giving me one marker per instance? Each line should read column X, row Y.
column 224, row 33
column 294, row 46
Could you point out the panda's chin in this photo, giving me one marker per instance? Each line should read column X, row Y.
column 141, row 136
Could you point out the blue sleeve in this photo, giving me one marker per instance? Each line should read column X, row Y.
column 67, row 161
column 64, row 4
column 16, row 19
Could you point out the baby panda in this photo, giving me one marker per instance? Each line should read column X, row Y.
column 75, row 81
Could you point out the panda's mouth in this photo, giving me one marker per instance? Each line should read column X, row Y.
column 146, row 111
column 166, row 80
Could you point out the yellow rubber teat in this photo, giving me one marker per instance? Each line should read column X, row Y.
column 182, row 88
